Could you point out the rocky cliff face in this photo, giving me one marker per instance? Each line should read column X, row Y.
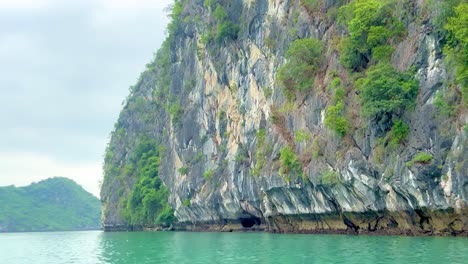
column 227, row 134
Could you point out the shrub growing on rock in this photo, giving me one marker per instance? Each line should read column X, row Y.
column 457, row 48
column 372, row 26
column 290, row 164
column 398, row 133
column 304, row 59
column 421, row 157
column 385, row 90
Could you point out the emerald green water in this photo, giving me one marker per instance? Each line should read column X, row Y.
column 175, row 247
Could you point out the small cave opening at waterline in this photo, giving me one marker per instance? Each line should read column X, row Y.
column 249, row 222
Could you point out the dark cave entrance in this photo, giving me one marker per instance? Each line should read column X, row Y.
column 249, row 222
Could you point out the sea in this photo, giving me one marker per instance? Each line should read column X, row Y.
column 186, row 247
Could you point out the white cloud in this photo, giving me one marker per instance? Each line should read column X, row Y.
column 22, row 168
column 67, row 66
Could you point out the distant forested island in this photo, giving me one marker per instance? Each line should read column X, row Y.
column 55, row 204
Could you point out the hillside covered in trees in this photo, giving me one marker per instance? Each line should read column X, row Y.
column 55, row 204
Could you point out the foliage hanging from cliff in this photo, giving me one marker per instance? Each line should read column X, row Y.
column 304, row 58
column 291, row 166
column 372, row 27
column 457, row 47
column 441, row 11
column 386, row 91
column 335, row 115
column 226, row 27
column 397, row 134
column 176, row 18
column 147, row 203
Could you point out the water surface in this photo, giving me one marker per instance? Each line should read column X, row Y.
column 180, row 247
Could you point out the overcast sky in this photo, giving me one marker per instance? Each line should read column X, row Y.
column 65, row 68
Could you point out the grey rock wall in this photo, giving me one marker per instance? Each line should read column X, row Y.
column 228, row 94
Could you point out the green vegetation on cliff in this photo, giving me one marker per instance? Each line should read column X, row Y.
column 387, row 91
column 457, row 47
column 49, row 205
column 335, row 117
column 291, row 167
column 421, row 157
column 304, row 59
column 222, row 26
column 147, row 201
column 372, row 29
